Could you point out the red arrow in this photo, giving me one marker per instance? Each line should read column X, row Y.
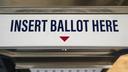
column 64, row 38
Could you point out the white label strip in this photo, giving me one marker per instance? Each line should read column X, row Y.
column 64, row 30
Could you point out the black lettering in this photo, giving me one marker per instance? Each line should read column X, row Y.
column 102, row 26
column 95, row 25
column 37, row 26
column 12, row 22
column 44, row 25
column 115, row 25
column 17, row 26
column 72, row 28
column 86, row 25
column 60, row 26
column 24, row 28
column 66, row 26
column 79, row 25
column 31, row 25
column 108, row 26
column 53, row 25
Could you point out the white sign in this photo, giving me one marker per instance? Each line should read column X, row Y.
column 66, row 70
column 64, row 30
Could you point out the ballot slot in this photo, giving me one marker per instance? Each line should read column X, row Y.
column 67, row 70
column 40, row 63
column 56, row 60
column 61, row 69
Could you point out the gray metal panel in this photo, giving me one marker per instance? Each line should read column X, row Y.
column 65, row 10
column 67, row 59
column 51, row 3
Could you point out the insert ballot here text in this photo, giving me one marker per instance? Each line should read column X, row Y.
column 80, row 25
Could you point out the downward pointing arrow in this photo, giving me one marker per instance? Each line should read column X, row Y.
column 64, row 38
